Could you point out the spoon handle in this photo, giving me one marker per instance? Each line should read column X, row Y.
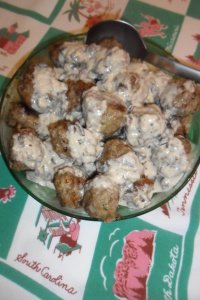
column 173, row 66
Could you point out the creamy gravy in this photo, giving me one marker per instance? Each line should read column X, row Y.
column 85, row 146
column 45, row 169
column 48, row 91
column 28, row 149
column 94, row 106
column 145, row 126
column 156, row 153
column 126, row 169
column 102, row 182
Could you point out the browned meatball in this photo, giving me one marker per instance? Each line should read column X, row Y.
column 103, row 112
column 101, row 198
column 26, row 149
column 65, row 51
column 69, row 184
column 113, row 118
column 70, row 140
column 19, row 115
column 181, row 97
column 145, row 125
column 74, row 93
column 25, row 85
column 113, row 148
column 42, row 91
column 58, row 136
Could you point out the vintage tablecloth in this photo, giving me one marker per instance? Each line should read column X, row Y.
column 155, row 256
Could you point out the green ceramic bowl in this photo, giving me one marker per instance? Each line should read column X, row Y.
column 47, row 196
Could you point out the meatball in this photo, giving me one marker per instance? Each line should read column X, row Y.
column 69, row 183
column 143, row 84
column 138, row 90
column 45, row 168
column 75, row 60
column 101, row 198
column 103, row 112
column 58, row 137
column 125, row 169
column 26, row 150
column 181, row 97
column 41, row 91
column 74, row 93
column 126, row 86
column 171, row 161
column 113, row 149
column 119, row 162
column 85, row 147
column 80, row 144
column 62, row 53
column 109, row 63
column 19, row 115
column 145, row 125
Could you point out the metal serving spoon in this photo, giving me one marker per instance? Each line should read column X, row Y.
column 132, row 42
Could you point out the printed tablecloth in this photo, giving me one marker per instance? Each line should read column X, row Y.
column 154, row 256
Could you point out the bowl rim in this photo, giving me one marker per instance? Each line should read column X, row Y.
column 15, row 174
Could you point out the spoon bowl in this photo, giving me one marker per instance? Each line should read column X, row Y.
column 132, row 42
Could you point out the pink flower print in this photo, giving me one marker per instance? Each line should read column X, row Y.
column 6, row 194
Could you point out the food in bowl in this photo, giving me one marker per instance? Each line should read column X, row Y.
column 101, row 129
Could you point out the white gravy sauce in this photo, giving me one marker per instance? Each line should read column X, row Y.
column 94, row 106
column 101, row 182
column 47, row 90
column 125, row 169
column 157, row 154
column 171, row 160
column 85, row 146
column 28, row 149
column 145, row 125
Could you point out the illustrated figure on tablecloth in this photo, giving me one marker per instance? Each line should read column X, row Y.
column 68, row 241
column 11, row 40
column 151, row 27
column 60, row 229
column 52, row 228
column 71, row 233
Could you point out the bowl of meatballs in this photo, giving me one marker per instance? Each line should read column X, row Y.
column 91, row 133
